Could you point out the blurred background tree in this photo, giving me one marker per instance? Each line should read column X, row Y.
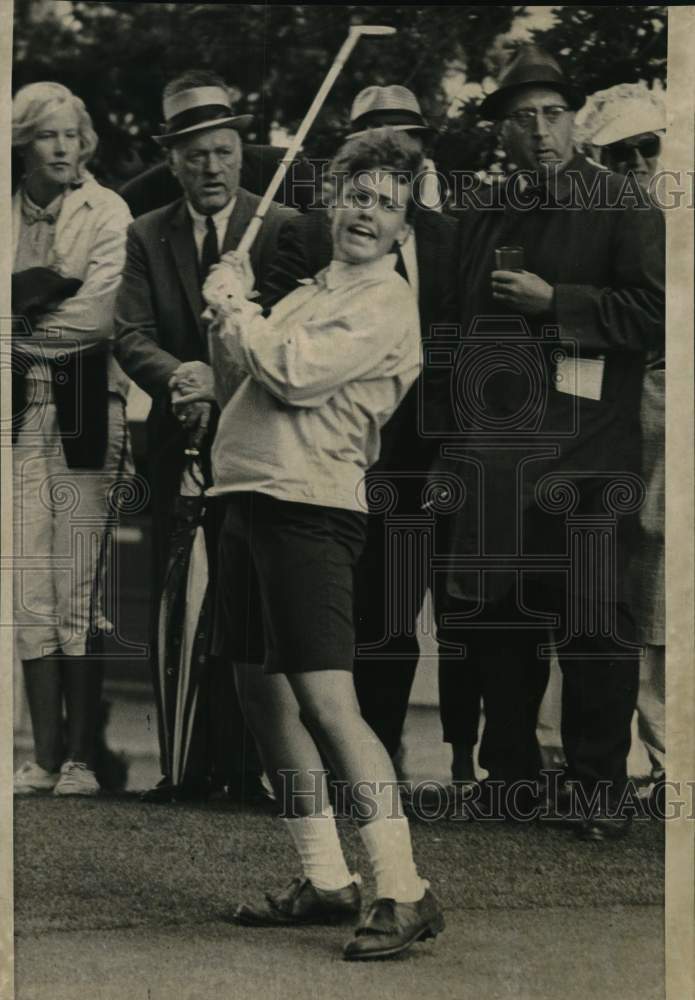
column 118, row 55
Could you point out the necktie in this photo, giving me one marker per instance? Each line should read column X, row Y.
column 211, row 252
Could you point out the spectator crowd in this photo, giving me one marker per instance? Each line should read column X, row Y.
column 405, row 385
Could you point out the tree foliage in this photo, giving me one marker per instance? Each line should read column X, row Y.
column 605, row 45
column 118, row 55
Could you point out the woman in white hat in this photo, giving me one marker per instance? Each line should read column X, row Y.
column 631, row 144
column 69, row 427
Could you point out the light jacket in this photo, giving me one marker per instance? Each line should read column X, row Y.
column 319, row 379
column 89, row 245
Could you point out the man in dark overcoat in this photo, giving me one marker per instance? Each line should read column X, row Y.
column 160, row 331
column 562, row 295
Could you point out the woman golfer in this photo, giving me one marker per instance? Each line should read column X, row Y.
column 314, row 384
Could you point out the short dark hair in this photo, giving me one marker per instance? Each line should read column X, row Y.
column 193, row 78
column 378, row 148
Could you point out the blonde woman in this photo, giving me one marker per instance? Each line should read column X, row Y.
column 69, row 429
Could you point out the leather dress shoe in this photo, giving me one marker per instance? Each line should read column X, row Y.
column 495, row 800
column 601, row 827
column 390, row 927
column 559, row 807
column 302, row 903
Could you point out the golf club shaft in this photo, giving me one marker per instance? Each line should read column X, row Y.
column 296, row 144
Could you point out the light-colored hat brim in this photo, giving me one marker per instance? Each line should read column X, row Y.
column 238, row 122
column 396, row 128
column 628, row 122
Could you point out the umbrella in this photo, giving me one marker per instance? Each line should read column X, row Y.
column 184, row 621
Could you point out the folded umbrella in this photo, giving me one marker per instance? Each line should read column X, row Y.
column 184, row 622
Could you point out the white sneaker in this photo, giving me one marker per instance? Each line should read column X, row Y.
column 76, row 779
column 31, row 779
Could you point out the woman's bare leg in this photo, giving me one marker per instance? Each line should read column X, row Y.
column 331, row 712
column 295, row 768
column 283, row 741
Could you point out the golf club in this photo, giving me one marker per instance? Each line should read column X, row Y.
column 356, row 32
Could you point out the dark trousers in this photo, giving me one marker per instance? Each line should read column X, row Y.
column 391, row 581
column 600, row 684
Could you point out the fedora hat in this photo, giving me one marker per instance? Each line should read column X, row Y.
column 192, row 110
column 531, row 67
column 395, row 106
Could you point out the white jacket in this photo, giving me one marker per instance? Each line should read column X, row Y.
column 90, row 245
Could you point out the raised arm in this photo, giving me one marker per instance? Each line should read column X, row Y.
column 304, row 363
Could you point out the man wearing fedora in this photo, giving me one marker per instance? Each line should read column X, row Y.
column 562, row 300
column 160, row 331
column 388, row 598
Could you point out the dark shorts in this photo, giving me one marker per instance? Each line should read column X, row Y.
column 285, row 584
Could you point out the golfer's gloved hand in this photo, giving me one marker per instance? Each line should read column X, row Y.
column 229, row 284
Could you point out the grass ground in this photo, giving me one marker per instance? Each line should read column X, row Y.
column 117, row 900
column 120, row 863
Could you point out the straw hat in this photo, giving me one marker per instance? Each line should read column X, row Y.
column 395, row 106
column 195, row 109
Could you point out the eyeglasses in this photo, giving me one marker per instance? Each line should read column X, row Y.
column 525, row 118
column 624, row 151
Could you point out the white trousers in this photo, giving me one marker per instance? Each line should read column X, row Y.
column 63, row 523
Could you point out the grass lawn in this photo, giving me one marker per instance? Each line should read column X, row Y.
column 84, row 864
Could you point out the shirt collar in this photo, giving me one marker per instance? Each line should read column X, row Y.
column 340, row 273
column 34, row 213
column 217, row 217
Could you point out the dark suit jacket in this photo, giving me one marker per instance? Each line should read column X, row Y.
column 511, row 428
column 158, row 314
column 305, row 246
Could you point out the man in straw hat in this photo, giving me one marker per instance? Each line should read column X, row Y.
column 161, row 335
column 561, row 301
column 387, row 649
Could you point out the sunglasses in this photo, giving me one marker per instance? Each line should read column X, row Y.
column 623, row 151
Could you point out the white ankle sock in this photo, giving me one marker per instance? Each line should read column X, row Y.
column 318, row 845
column 388, row 844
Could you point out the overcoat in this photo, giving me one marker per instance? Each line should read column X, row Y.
column 543, row 423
